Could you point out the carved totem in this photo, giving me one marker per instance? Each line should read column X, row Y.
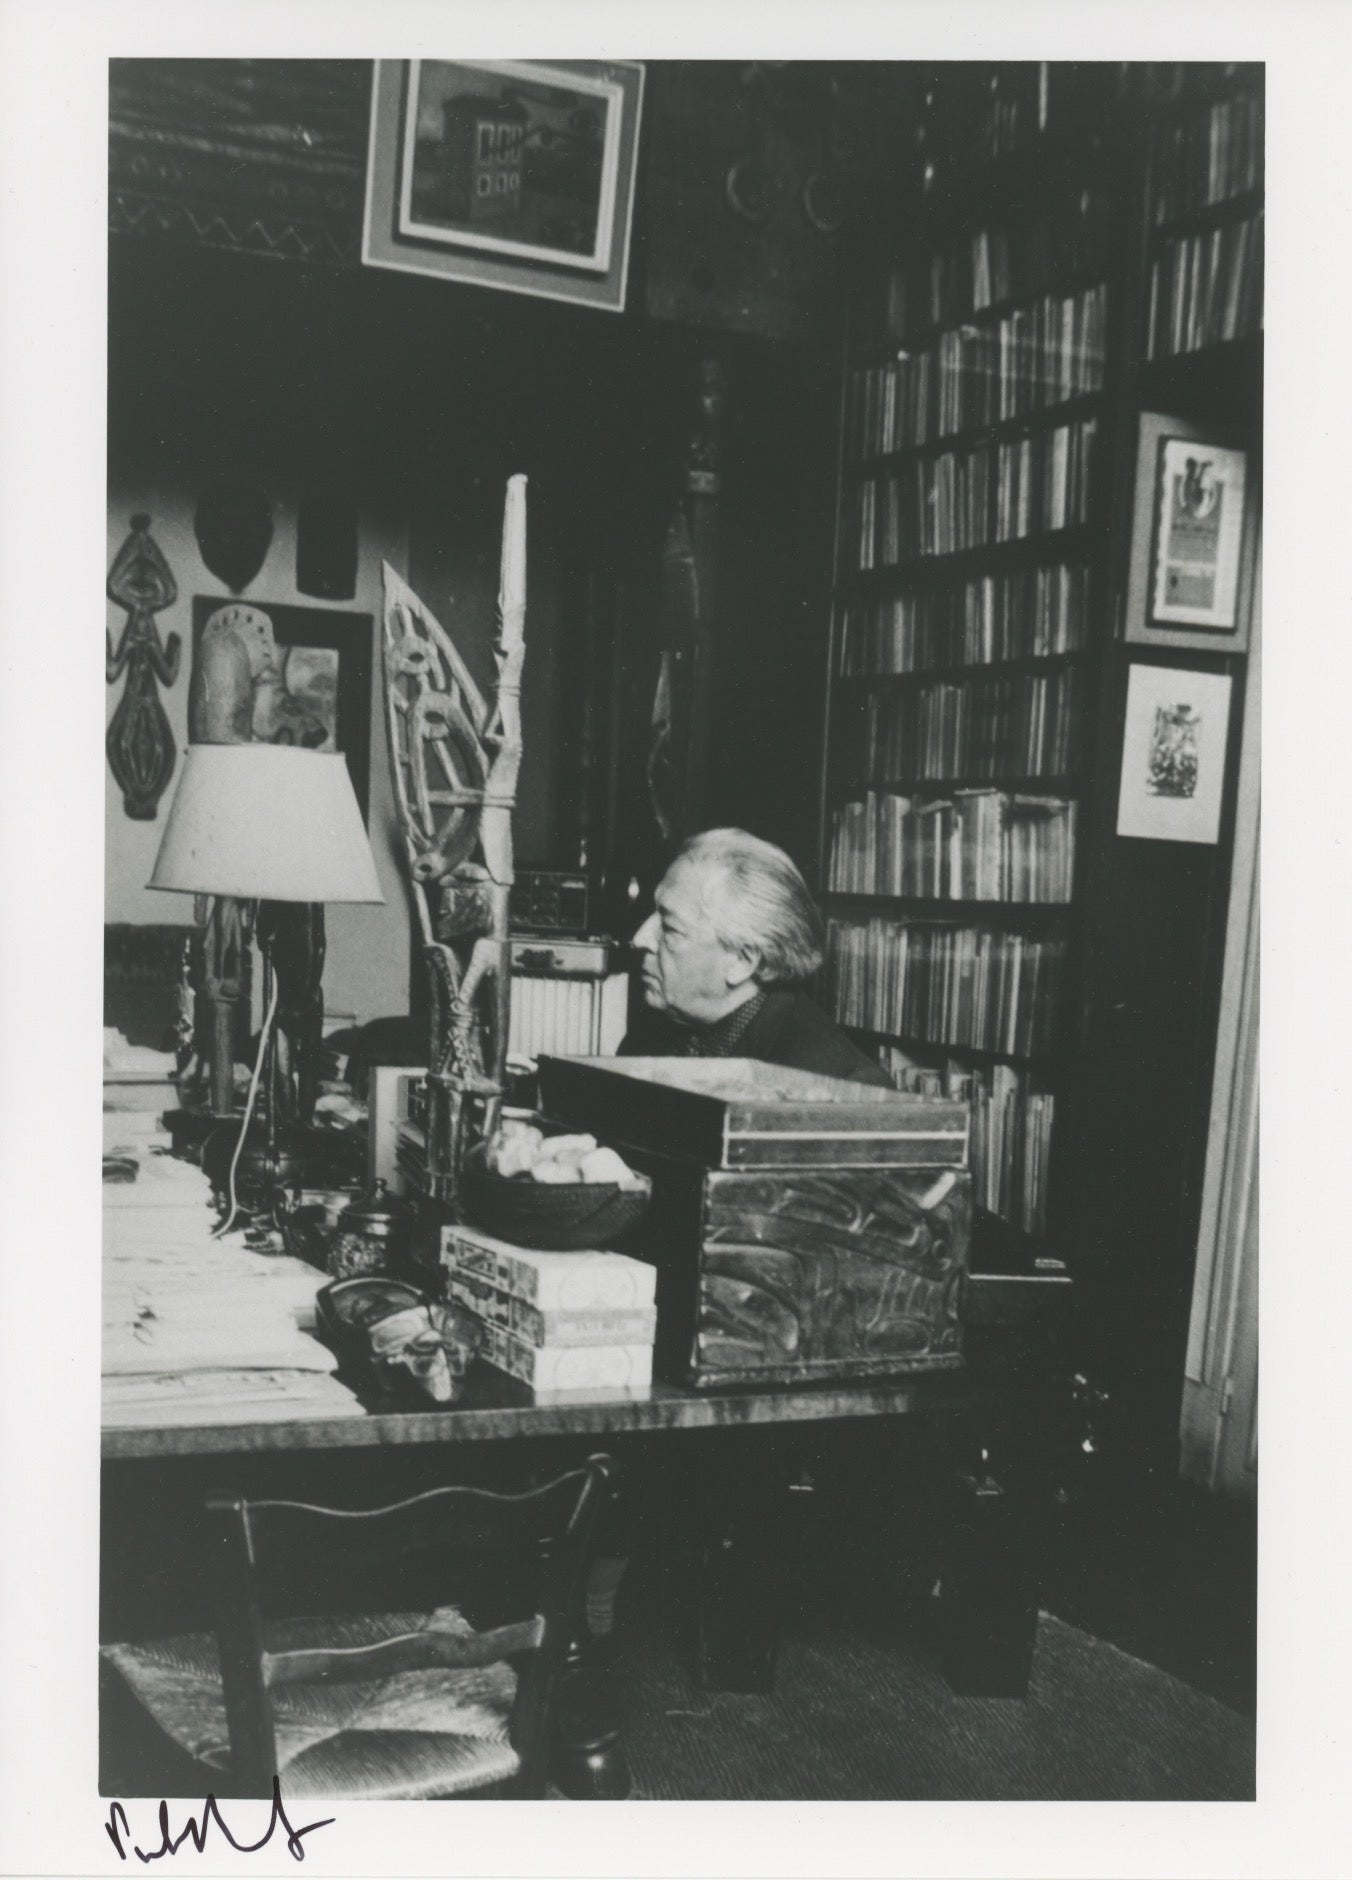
column 238, row 696
column 140, row 739
column 456, row 762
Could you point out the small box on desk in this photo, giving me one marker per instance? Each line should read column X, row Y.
column 599, row 1325
column 555, row 1321
column 802, row 1227
column 573, row 1282
column 547, row 1368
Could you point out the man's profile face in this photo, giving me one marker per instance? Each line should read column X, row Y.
column 687, row 971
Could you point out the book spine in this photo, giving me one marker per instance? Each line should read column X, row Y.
column 568, row 1367
column 551, row 1281
column 536, row 1326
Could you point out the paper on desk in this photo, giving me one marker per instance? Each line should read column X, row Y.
column 178, row 1399
column 175, row 1299
column 121, row 1058
column 142, row 1129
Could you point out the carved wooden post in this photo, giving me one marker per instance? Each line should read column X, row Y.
column 704, row 484
column 678, row 758
column 456, row 763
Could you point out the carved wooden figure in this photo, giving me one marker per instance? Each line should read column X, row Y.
column 140, row 739
column 456, row 763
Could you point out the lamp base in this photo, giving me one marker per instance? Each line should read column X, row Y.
column 190, row 1127
column 262, row 1171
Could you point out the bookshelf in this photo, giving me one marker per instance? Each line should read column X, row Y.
column 1149, row 916
column 1008, row 318
column 970, row 582
column 1205, row 271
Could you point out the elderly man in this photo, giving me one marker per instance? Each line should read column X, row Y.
column 733, row 934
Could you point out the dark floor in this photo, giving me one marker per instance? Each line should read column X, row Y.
column 1164, row 1571
column 1170, row 1575
column 860, row 1711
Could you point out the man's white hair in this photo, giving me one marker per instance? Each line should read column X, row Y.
column 757, row 901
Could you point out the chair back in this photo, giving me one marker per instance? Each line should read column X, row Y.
column 534, row 1543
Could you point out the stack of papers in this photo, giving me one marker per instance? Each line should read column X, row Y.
column 122, row 1060
column 198, row 1330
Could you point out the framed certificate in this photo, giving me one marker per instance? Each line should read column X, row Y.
column 1189, row 540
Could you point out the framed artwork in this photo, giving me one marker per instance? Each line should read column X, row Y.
column 1190, row 540
column 1173, row 754
column 505, row 174
column 311, row 668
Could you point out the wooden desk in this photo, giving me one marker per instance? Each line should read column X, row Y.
column 492, row 1412
column 155, row 1482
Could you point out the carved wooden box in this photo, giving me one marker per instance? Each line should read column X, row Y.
column 802, row 1227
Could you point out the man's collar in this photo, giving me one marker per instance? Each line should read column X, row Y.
column 722, row 1038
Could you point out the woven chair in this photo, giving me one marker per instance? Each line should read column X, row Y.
column 381, row 1706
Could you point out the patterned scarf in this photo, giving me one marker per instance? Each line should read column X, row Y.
column 722, row 1039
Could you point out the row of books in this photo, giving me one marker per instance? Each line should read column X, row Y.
column 979, row 987
column 1009, row 1147
column 1209, row 158
column 1022, row 724
column 1029, row 613
column 1031, row 359
column 970, row 113
column 967, row 498
column 982, row 269
column 1206, row 288
column 555, row 1321
column 977, row 845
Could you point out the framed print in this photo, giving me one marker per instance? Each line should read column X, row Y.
column 1191, row 544
column 1199, row 520
column 508, row 174
column 311, row 669
column 1173, row 754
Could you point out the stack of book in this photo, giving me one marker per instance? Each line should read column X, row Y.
column 555, row 1321
column 1207, row 288
column 977, row 987
column 1021, row 724
column 1027, row 613
column 1030, row 359
column 964, row 499
column 978, row 845
column 1209, row 158
column 983, row 269
column 1011, row 1134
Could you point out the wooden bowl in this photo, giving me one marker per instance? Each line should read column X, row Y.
column 560, row 1217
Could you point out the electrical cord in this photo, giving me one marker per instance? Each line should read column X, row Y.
column 259, row 1061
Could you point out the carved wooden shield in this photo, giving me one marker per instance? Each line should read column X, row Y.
column 437, row 717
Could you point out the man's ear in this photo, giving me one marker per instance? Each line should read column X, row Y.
column 743, row 965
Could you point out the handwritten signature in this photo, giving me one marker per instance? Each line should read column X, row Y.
column 117, row 1826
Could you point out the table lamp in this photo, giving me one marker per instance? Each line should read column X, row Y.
column 266, row 823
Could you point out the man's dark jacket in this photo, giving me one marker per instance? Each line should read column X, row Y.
column 789, row 1029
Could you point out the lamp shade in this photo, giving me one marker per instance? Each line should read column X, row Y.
column 266, row 822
